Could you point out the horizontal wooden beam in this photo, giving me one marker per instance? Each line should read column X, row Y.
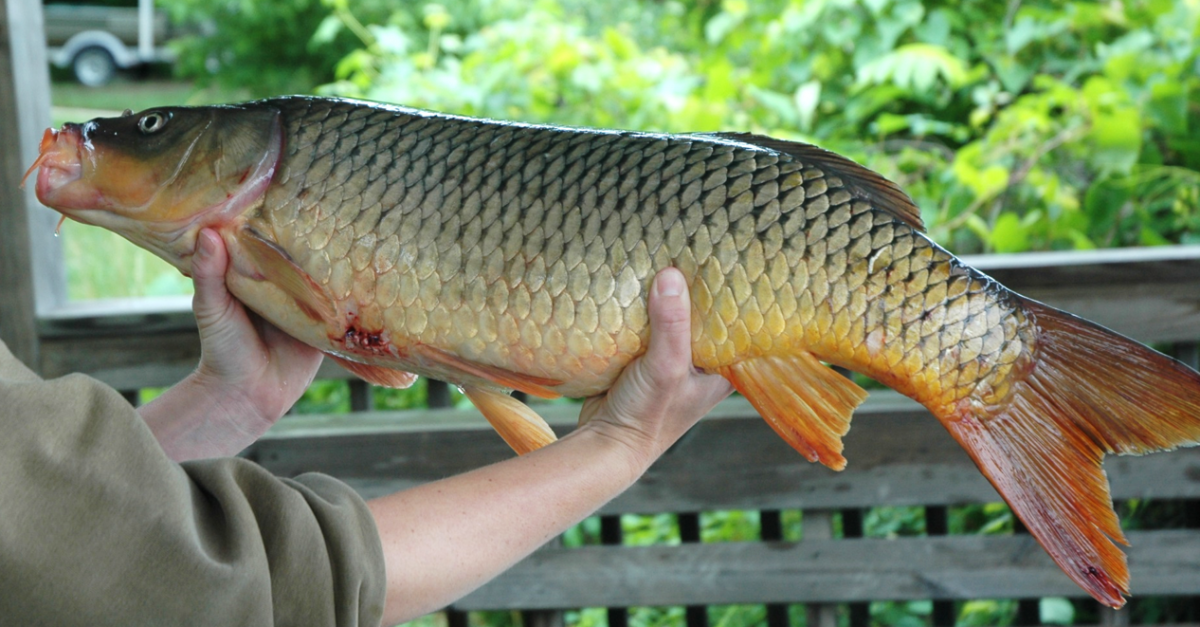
column 898, row 455
column 829, row 571
column 1152, row 294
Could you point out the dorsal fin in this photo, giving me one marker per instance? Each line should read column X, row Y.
column 859, row 181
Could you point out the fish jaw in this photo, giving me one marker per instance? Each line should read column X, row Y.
column 59, row 183
column 63, row 183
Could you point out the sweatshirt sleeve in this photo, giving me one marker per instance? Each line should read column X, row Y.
column 99, row 527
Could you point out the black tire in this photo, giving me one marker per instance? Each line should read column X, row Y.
column 93, row 66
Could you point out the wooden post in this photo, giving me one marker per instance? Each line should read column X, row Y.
column 771, row 530
column 612, row 535
column 544, row 618
column 362, row 395
column 437, row 393
column 1028, row 610
column 1189, row 353
column 26, row 287
column 937, row 523
column 689, row 532
column 852, row 527
column 818, row 525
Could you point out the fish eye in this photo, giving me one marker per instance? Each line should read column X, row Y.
column 152, row 122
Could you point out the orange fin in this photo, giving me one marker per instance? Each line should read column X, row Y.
column 859, row 181
column 1089, row 392
column 277, row 266
column 378, row 375
column 807, row 403
column 521, row 427
column 529, row 384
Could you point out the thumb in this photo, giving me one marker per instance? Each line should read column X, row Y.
column 209, row 263
column 669, row 355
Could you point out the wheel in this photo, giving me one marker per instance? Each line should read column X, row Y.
column 94, row 66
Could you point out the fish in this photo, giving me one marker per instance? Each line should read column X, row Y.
column 504, row 256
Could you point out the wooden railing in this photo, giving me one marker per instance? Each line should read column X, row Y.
column 898, row 456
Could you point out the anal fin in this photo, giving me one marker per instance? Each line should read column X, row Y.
column 807, row 403
column 383, row 377
column 521, row 427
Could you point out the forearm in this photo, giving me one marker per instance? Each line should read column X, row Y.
column 444, row 539
column 191, row 422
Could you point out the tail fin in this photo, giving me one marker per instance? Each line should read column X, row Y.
column 1090, row 392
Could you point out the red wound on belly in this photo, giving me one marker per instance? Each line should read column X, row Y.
column 360, row 341
column 368, row 342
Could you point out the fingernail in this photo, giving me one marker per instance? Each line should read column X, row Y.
column 204, row 247
column 669, row 284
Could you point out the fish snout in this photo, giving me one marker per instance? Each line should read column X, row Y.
column 60, row 168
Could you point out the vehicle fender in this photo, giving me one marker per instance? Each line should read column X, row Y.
column 123, row 56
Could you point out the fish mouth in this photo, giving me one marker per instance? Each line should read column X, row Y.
column 59, row 183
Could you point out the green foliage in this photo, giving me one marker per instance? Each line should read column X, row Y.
column 265, row 48
column 324, row 397
column 1015, row 126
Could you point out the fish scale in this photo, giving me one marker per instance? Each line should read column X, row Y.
column 505, row 256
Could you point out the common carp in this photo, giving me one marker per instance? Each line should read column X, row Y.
column 502, row 256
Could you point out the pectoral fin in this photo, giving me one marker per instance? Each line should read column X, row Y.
column 807, row 403
column 531, row 385
column 276, row 267
column 384, row 377
column 521, row 427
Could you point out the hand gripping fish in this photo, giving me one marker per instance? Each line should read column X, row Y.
column 501, row 256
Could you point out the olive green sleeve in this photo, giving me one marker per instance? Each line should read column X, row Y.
column 99, row 527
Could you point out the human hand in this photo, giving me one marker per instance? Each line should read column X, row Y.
column 243, row 356
column 660, row 395
column 250, row 372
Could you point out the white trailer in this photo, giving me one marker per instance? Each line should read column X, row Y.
column 96, row 41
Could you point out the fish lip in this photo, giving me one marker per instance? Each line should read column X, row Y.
column 60, row 164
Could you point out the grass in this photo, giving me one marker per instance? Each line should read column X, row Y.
column 99, row 263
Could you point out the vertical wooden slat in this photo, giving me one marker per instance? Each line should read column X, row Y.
column 30, row 262
column 611, row 535
column 818, row 525
column 437, row 393
column 771, row 530
column 133, row 396
column 689, row 532
column 455, row 618
column 852, row 527
column 1189, row 353
column 1029, row 611
column 1116, row 618
column 544, row 618
column 937, row 523
column 362, row 395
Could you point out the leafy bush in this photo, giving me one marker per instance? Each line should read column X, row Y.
column 1015, row 126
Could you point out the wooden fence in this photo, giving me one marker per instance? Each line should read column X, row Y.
column 898, row 456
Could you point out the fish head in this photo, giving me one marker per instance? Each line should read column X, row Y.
column 160, row 176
